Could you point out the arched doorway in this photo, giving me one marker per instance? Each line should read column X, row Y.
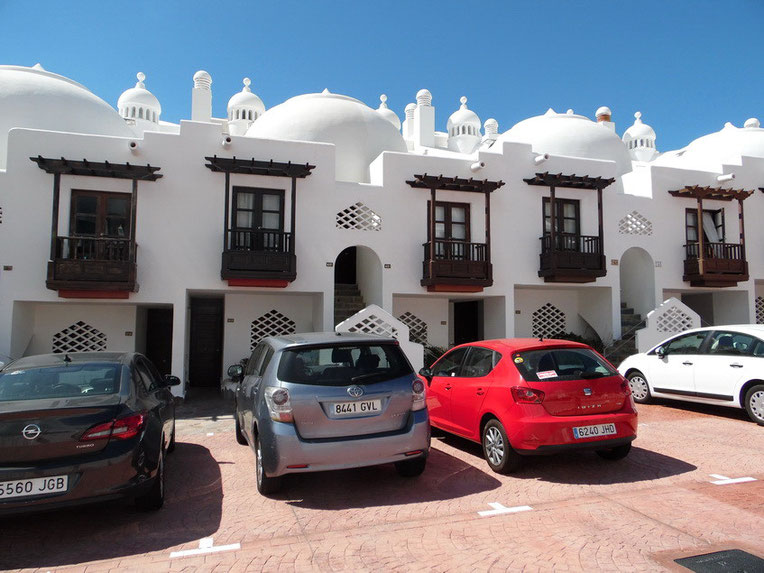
column 357, row 281
column 637, row 272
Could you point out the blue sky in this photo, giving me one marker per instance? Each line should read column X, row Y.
column 689, row 66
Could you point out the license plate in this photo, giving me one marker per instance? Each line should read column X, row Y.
column 33, row 486
column 594, row 431
column 359, row 407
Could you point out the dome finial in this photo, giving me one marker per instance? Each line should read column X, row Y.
column 246, row 82
column 752, row 122
column 638, row 117
column 140, row 76
column 383, row 101
column 463, row 101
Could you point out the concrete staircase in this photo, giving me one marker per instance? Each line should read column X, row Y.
column 347, row 301
column 627, row 345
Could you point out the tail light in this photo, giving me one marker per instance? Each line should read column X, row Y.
column 279, row 406
column 119, row 429
column 527, row 395
column 417, row 388
column 627, row 391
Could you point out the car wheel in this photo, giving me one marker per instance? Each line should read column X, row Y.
column 496, row 448
column 754, row 403
column 265, row 485
column 154, row 498
column 411, row 468
column 240, row 437
column 171, row 444
column 615, row 454
column 639, row 388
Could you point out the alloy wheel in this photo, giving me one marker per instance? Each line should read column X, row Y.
column 756, row 404
column 494, row 446
column 638, row 386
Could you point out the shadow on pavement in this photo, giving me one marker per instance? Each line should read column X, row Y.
column 586, row 467
column 192, row 510
column 204, row 403
column 445, row 477
column 677, row 406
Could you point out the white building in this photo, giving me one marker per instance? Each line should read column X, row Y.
column 190, row 242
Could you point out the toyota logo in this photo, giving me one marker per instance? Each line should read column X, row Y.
column 31, row 431
column 355, row 391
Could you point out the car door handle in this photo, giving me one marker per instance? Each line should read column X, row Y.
column 736, row 365
column 687, row 363
column 447, row 387
column 480, row 392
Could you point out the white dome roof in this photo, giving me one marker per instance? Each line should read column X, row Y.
column 728, row 144
column 463, row 116
column 245, row 99
column 358, row 132
column 639, row 130
column 572, row 135
column 37, row 99
column 139, row 95
column 387, row 113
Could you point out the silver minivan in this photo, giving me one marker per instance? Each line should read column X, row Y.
column 327, row 401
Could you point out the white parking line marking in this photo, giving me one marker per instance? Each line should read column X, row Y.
column 205, row 546
column 724, row 480
column 499, row 509
column 210, row 433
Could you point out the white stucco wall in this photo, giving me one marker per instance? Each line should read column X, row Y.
column 432, row 310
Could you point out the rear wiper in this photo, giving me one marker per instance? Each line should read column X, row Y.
column 590, row 375
column 355, row 379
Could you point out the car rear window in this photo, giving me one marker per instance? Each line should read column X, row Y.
column 60, row 381
column 341, row 365
column 557, row 364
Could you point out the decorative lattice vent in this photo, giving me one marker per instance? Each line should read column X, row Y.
column 272, row 323
column 548, row 321
column 79, row 337
column 673, row 320
column 760, row 310
column 373, row 324
column 417, row 327
column 359, row 217
column 635, row 224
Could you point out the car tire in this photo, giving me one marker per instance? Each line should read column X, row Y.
column 265, row 485
column 153, row 499
column 639, row 387
column 240, row 437
column 754, row 403
column 411, row 468
column 616, row 453
column 497, row 451
column 171, row 444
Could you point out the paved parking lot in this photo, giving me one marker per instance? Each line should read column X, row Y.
column 572, row 512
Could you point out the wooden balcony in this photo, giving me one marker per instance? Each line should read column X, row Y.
column 258, row 258
column 722, row 265
column 456, row 267
column 86, row 264
column 571, row 259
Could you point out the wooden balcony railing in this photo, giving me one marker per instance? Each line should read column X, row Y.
column 722, row 264
column 93, row 263
column 258, row 254
column 571, row 258
column 456, row 264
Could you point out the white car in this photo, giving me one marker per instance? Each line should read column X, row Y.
column 721, row 365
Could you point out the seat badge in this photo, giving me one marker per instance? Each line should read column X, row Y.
column 587, row 391
column 355, row 391
column 31, row 431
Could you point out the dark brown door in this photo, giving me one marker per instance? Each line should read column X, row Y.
column 468, row 324
column 159, row 338
column 206, row 345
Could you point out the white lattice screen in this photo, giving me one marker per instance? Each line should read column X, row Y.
column 417, row 327
column 635, row 224
column 673, row 320
column 359, row 217
column 548, row 321
column 79, row 337
column 760, row 310
column 272, row 323
column 373, row 324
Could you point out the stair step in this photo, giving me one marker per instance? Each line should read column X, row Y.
column 625, row 310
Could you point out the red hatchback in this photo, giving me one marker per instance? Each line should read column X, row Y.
column 530, row 397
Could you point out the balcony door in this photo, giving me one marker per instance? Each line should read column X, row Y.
column 99, row 226
column 258, row 219
column 567, row 223
column 452, row 230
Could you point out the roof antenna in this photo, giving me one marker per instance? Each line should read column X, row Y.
column 67, row 359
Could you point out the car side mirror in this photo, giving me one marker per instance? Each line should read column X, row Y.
column 171, row 380
column 236, row 372
column 660, row 352
column 426, row 373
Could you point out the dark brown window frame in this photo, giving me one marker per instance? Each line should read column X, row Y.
column 257, row 209
column 447, row 206
column 101, row 215
column 559, row 218
column 712, row 212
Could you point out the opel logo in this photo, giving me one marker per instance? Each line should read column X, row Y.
column 355, row 391
column 31, row 431
column 587, row 391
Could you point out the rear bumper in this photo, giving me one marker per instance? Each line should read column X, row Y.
column 546, row 434
column 283, row 447
column 120, row 470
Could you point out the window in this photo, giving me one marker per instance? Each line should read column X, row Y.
column 685, row 344
column 452, row 224
column 450, row 364
column 567, row 222
column 713, row 225
column 257, row 219
column 480, row 362
column 253, row 364
column 731, row 343
column 73, row 379
column 145, row 377
column 99, row 214
column 561, row 364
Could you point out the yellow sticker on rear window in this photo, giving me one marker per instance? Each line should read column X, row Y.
column 519, row 360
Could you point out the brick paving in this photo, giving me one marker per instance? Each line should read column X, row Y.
column 587, row 514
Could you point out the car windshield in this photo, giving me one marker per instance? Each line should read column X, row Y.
column 342, row 365
column 558, row 364
column 59, row 381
